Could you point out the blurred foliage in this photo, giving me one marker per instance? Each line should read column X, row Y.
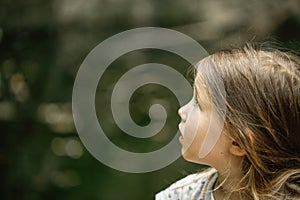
column 42, row 44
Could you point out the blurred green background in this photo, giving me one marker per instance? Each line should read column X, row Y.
column 42, row 44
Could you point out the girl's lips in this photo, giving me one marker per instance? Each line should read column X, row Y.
column 179, row 127
column 180, row 138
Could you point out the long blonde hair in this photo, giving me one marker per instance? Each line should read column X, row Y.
column 262, row 97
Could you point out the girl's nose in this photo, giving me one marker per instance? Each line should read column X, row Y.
column 182, row 113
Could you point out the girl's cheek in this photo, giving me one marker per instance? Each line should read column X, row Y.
column 212, row 132
column 192, row 125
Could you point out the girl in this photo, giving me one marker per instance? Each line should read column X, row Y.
column 256, row 154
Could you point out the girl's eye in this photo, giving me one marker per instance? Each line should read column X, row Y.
column 196, row 102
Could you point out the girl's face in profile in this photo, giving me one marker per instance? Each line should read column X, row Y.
column 198, row 120
column 195, row 118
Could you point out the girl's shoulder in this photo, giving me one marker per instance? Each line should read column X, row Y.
column 194, row 186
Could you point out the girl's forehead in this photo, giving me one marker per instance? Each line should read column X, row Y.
column 201, row 91
column 199, row 83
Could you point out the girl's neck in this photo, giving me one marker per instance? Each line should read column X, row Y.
column 229, row 184
column 221, row 194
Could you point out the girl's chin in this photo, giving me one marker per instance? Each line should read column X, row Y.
column 186, row 155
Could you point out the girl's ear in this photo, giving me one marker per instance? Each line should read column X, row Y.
column 236, row 150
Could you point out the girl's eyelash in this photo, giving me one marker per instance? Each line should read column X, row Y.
column 195, row 99
column 196, row 103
